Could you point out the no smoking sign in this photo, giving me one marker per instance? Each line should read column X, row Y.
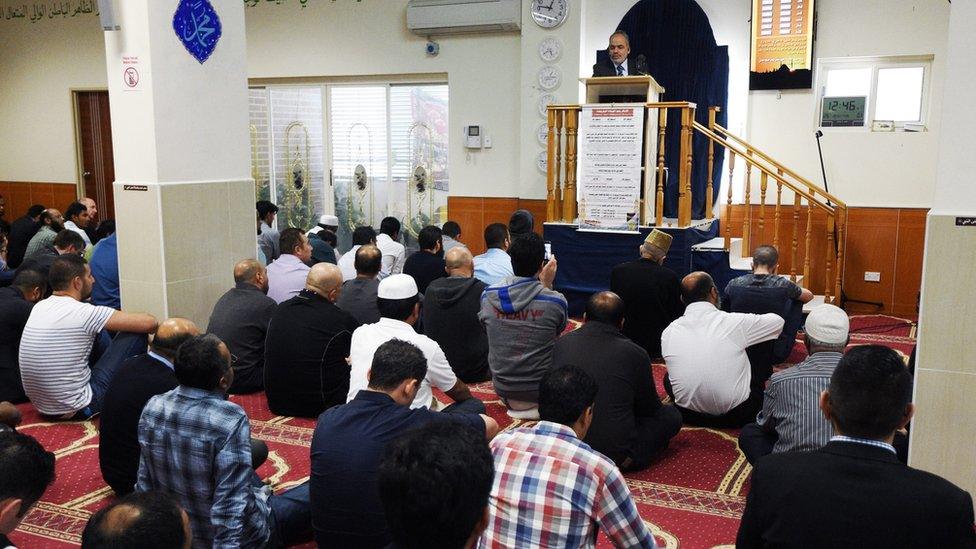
column 130, row 73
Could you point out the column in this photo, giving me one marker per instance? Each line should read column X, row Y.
column 184, row 198
column 944, row 433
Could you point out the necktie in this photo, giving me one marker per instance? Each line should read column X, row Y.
column 620, row 70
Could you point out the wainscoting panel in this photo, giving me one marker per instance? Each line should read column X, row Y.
column 21, row 195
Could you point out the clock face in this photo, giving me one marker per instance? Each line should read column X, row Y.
column 549, row 14
column 550, row 49
column 541, row 161
column 545, row 100
column 549, row 77
column 542, row 134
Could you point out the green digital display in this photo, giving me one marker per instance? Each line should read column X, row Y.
column 842, row 111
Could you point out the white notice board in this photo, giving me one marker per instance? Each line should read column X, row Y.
column 611, row 139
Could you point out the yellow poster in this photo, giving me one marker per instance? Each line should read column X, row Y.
column 782, row 44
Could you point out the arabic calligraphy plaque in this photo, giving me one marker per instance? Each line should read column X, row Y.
column 197, row 26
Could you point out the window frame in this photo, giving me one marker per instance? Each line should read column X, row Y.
column 874, row 63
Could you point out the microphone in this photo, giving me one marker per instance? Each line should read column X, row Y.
column 641, row 64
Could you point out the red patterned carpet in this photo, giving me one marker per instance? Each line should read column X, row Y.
column 692, row 496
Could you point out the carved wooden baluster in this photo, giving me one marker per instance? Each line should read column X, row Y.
column 828, row 279
column 662, row 124
column 711, row 164
column 728, row 203
column 796, row 230
column 684, row 181
column 806, row 255
column 747, row 218
column 763, row 183
column 560, row 195
column 569, row 197
column 841, row 222
column 777, row 216
column 551, row 171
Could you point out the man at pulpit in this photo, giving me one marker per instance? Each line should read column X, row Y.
column 619, row 62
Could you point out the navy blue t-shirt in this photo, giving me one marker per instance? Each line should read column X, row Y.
column 347, row 446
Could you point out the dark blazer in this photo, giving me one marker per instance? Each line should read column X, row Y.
column 137, row 380
column 607, row 68
column 852, row 495
column 652, row 297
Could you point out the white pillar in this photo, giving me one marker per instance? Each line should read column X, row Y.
column 944, row 431
column 184, row 198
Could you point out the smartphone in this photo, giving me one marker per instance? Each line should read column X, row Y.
column 548, row 250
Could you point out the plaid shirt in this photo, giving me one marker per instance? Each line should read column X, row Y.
column 552, row 490
column 196, row 446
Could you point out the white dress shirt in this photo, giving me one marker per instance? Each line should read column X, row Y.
column 71, row 226
column 393, row 255
column 347, row 264
column 367, row 338
column 705, row 353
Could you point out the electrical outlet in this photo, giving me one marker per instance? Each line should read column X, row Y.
column 870, row 276
column 487, row 142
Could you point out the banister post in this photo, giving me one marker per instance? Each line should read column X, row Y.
column 684, row 187
column 662, row 125
column 711, row 163
column 569, row 197
column 550, row 166
column 728, row 203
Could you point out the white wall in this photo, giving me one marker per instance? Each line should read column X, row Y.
column 492, row 79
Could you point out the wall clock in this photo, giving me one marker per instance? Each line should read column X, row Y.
column 542, row 134
column 542, row 161
column 549, row 14
column 545, row 100
column 550, row 49
column 549, row 77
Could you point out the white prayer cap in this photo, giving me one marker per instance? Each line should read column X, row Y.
column 398, row 286
column 828, row 324
column 329, row 220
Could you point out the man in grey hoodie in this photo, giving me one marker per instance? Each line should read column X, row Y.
column 523, row 317
column 451, row 307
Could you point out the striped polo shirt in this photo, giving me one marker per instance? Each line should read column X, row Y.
column 792, row 403
column 54, row 353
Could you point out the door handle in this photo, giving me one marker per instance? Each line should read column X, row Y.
column 86, row 174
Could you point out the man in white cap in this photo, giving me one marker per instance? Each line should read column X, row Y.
column 399, row 303
column 790, row 419
column 323, row 239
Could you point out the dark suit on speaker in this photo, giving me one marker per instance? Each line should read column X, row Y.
column 605, row 67
column 849, row 494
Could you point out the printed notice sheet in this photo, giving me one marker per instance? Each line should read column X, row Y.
column 610, row 143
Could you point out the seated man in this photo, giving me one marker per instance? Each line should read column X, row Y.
column 306, row 371
column 651, row 293
column 240, row 319
column 709, row 377
column 77, row 217
column 143, row 519
column 286, row 275
column 21, row 232
column 65, row 242
column 358, row 296
column 399, row 303
column 360, row 237
column 27, row 470
column 268, row 237
column 853, row 492
column 349, row 441
column 523, row 317
column 434, row 482
column 551, row 489
column 765, row 291
column 495, row 265
column 104, row 264
column 51, row 223
column 139, row 379
column 62, row 376
column 196, row 446
column 16, row 302
column 322, row 239
column 632, row 426
column 450, row 312
column 790, row 420
column 520, row 224
column 426, row 265
column 388, row 241
column 451, row 235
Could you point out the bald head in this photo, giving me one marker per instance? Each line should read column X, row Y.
column 246, row 269
column 171, row 334
column 605, row 307
column 324, row 279
column 368, row 261
column 458, row 261
column 698, row 286
column 141, row 519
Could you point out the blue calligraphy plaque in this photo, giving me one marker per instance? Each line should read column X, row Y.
column 198, row 27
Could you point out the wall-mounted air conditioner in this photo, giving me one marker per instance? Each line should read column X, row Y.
column 439, row 17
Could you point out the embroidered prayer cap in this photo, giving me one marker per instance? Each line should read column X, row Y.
column 329, row 220
column 398, row 286
column 659, row 239
column 828, row 324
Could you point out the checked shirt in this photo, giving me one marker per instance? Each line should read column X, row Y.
column 552, row 490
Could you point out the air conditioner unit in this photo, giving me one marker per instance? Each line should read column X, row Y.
column 439, row 17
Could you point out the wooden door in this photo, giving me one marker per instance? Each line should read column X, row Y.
column 95, row 144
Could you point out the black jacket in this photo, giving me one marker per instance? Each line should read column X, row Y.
column 21, row 231
column 852, row 495
column 14, row 311
column 652, row 297
column 137, row 380
column 451, row 308
column 607, row 68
